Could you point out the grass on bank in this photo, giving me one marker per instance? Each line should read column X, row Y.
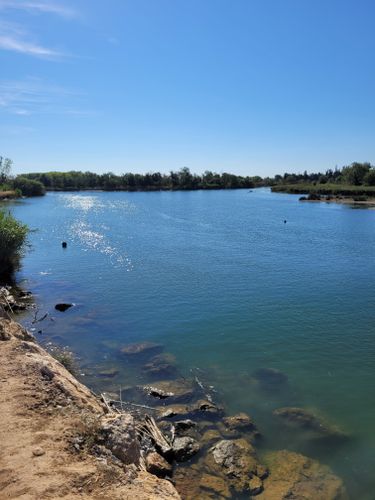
column 66, row 358
column 13, row 239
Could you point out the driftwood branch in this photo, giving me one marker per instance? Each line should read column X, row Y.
column 36, row 319
column 149, row 428
column 106, row 404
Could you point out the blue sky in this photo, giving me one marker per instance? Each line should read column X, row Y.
column 246, row 86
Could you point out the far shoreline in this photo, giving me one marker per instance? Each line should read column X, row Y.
column 370, row 203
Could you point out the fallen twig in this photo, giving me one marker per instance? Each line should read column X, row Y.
column 149, row 428
column 132, row 404
column 38, row 320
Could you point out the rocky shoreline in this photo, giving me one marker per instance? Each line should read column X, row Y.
column 14, row 299
column 212, row 454
column 58, row 439
column 166, row 439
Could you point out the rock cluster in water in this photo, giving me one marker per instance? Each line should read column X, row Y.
column 209, row 454
column 13, row 299
column 311, row 423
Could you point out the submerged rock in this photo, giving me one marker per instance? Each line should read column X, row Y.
column 184, row 448
column 237, row 426
column 187, row 481
column 207, row 408
column 214, row 486
column 201, row 409
column 161, row 365
column 180, row 390
column 210, row 437
column 255, row 486
column 295, row 476
column 184, row 425
column 168, row 412
column 237, row 461
column 270, row 378
column 240, row 421
column 157, row 465
column 109, row 373
column 308, row 421
column 141, row 348
column 62, row 307
column 156, row 392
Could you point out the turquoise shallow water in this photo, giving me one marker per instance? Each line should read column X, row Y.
column 228, row 287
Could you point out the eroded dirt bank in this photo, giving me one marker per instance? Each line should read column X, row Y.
column 48, row 420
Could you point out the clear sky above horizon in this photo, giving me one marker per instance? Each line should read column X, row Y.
column 253, row 87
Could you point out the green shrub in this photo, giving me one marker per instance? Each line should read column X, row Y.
column 13, row 237
column 29, row 187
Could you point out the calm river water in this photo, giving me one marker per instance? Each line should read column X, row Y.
column 228, row 287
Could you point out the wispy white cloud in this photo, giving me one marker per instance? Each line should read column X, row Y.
column 41, row 7
column 12, row 43
column 34, row 96
column 15, row 38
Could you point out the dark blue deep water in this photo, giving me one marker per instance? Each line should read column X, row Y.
column 228, row 287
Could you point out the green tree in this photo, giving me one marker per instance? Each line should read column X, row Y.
column 356, row 173
column 5, row 169
column 185, row 178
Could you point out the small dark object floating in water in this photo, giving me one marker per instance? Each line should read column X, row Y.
column 64, row 244
column 63, row 307
column 284, row 221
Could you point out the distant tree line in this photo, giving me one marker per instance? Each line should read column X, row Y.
column 356, row 174
column 35, row 184
column 180, row 180
column 19, row 185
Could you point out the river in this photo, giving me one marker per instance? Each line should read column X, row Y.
column 229, row 282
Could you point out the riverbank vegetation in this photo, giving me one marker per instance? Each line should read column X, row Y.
column 15, row 187
column 355, row 180
column 325, row 189
column 13, row 238
column 180, row 180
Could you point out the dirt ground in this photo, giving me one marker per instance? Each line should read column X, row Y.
column 43, row 409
